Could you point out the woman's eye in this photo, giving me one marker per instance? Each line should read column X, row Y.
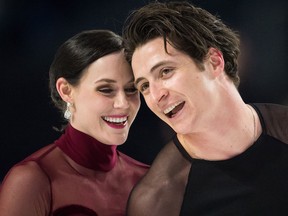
column 105, row 90
column 131, row 90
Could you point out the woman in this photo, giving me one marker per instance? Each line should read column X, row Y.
column 82, row 173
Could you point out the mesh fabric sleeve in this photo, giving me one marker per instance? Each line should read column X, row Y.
column 166, row 178
column 25, row 192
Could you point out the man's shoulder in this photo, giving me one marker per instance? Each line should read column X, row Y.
column 166, row 170
column 166, row 178
column 264, row 107
column 274, row 119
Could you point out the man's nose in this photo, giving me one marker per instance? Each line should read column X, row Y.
column 158, row 92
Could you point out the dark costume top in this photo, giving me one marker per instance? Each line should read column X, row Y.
column 100, row 187
column 253, row 183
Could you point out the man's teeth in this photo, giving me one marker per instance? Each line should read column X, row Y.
column 115, row 120
column 169, row 109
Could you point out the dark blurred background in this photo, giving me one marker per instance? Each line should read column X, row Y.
column 31, row 31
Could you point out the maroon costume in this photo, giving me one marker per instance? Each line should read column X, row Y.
column 97, row 181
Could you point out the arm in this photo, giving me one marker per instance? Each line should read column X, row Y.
column 25, row 192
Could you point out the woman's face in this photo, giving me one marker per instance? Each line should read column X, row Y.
column 105, row 102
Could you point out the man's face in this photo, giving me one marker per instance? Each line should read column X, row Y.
column 174, row 88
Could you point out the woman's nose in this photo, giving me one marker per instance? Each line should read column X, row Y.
column 121, row 101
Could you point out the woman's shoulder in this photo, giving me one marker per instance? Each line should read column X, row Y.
column 41, row 153
column 25, row 186
column 29, row 170
column 132, row 161
column 26, row 175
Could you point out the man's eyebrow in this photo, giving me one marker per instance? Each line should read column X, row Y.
column 159, row 64
column 138, row 80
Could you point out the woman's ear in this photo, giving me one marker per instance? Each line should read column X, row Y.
column 64, row 89
column 216, row 60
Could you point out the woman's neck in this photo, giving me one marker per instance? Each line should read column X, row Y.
column 87, row 151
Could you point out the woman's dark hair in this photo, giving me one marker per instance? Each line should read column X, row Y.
column 76, row 54
column 187, row 28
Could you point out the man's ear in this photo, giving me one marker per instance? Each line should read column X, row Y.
column 216, row 60
column 64, row 89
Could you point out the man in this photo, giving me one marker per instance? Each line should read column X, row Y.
column 228, row 157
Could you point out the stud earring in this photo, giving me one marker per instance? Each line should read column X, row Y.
column 67, row 113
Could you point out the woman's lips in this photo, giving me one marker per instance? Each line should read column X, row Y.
column 116, row 122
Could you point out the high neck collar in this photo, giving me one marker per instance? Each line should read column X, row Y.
column 86, row 150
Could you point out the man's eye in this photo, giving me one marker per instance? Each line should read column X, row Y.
column 165, row 72
column 143, row 87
